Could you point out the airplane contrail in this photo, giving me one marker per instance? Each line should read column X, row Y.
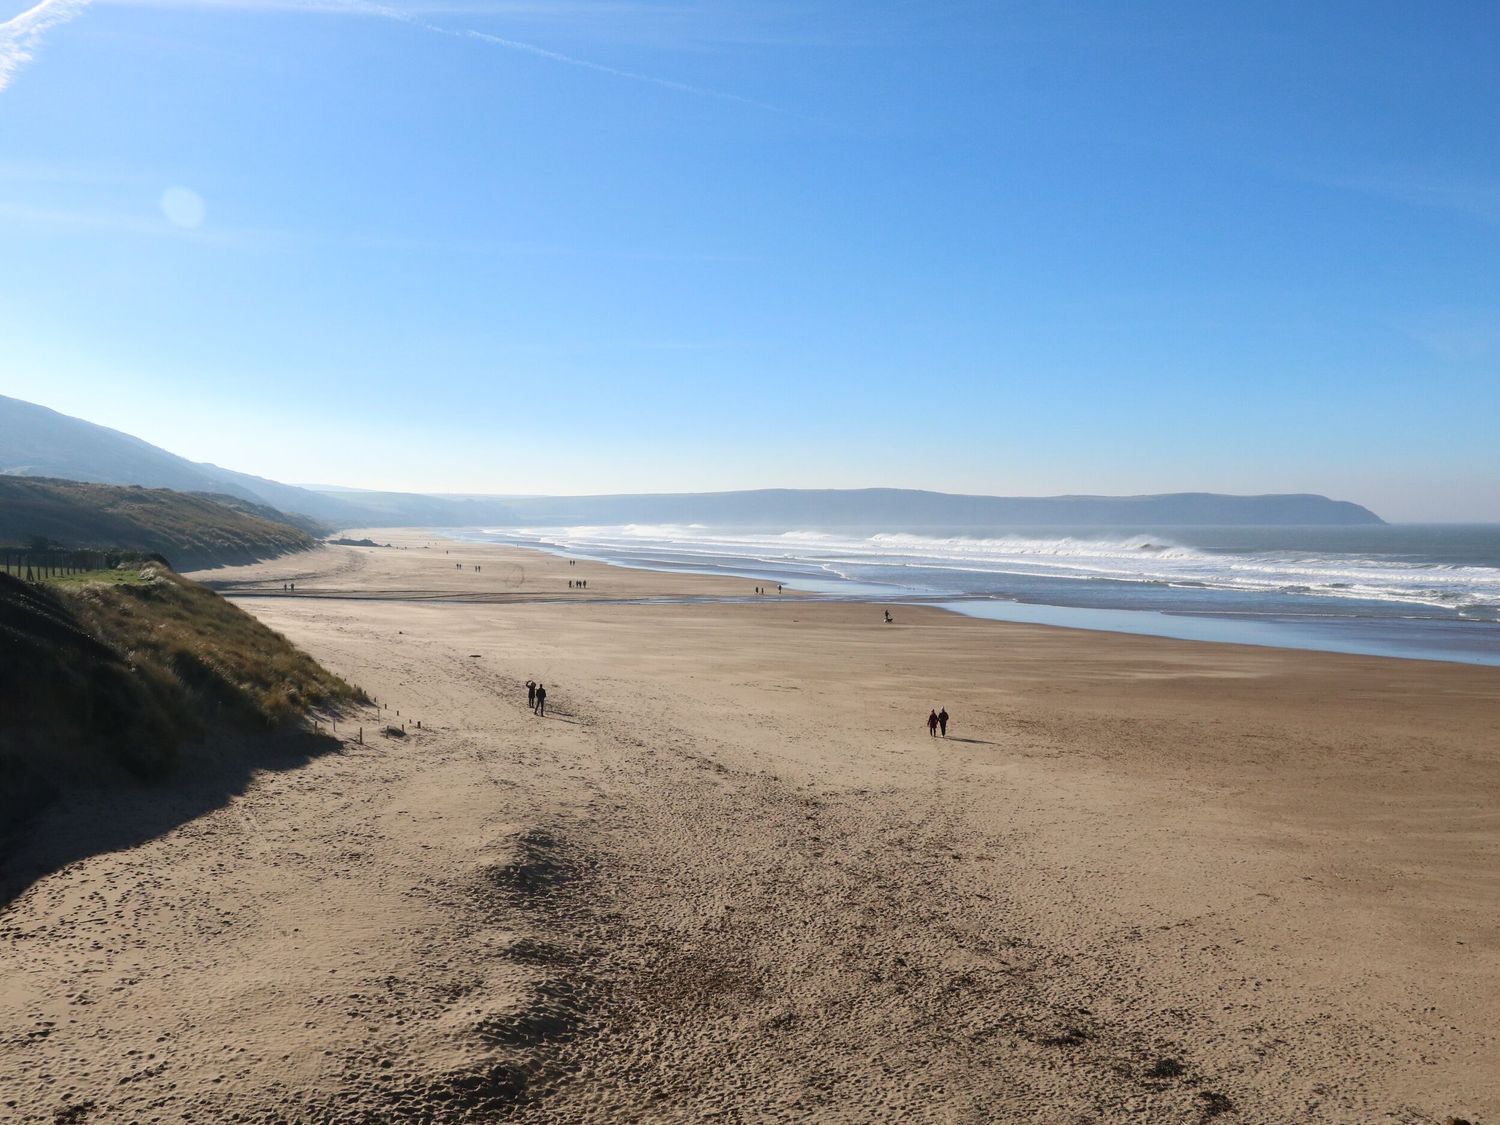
column 668, row 83
column 20, row 35
column 388, row 12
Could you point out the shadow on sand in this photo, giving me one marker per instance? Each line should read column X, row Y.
column 971, row 741
column 87, row 821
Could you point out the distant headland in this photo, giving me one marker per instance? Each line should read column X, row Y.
column 36, row 441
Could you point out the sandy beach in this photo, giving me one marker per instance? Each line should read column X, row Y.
column 730, row 877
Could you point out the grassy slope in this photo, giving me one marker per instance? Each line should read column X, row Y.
column 113, row 679
column 188, row 529
column 316, row 528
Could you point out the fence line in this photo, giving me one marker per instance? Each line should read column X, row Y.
column 38, row 565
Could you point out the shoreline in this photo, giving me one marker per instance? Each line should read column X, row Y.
column 680, row 585
column 1446, row 640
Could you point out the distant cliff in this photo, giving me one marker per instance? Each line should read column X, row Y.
column 900, row 508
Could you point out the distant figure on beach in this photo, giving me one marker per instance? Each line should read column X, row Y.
column 943, row 721
column 932, row 724
column 294, row 585
column 778, row 587
column 888, row 617
column 541, row 700
column 531, row 694
column 570, row 583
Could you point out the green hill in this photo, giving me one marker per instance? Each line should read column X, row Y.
column 37, row 442
column 190, row 530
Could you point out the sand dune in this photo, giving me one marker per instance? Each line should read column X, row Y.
column 730, row 877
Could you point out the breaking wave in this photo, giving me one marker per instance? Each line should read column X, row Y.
column 968, row 564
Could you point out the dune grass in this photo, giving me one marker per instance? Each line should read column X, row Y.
column 216, row 651
column 117, row 576
column 123, row 670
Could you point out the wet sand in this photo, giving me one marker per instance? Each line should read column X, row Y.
column 730, row 877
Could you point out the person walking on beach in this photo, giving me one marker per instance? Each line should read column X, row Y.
column 932, row 724
column 541, row 700
column 943, row 721
column 531, row 694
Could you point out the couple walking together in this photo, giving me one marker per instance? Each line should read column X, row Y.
column 938, row 719
column 536, row 697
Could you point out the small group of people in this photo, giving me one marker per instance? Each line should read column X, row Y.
column 289, row 585
column 762, row 589
column 536, row 697
column 938, row 720
column 578, row 583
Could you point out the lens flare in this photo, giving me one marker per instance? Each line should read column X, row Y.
column 183, row 207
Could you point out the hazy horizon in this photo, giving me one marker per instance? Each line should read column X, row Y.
column 618, row 247
column 504, row 493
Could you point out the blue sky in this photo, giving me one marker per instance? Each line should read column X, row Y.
column 476, row 245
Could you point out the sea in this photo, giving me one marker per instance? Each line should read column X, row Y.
column 1424, row 591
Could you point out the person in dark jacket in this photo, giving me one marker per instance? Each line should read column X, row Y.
column 541, row 700
column 531, row 694
column 943, row 721
column 932, row 724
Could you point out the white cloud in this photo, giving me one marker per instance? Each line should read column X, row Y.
column 21, row 35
